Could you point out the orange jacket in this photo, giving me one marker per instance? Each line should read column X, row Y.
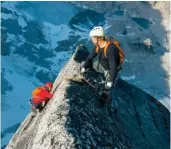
column 43, row 95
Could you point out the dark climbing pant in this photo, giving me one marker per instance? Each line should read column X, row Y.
column 112, row 91
column 106, row 73
column 34, row 107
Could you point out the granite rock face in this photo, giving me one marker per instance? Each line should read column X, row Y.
column 75, row 119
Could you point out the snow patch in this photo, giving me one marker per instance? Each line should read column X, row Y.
column 59, row 60
column 9, row 5
column 129, row 34
column 15, row 40
column 128, row 26
column 55, row 33
column 12, row 6
column 22, row 22
column 83, row 30
column 106, row 26
column 83, row 33
column 128, row 78
column 40, row 45
column 7, row 16
column 21, row 65
column 128, row 61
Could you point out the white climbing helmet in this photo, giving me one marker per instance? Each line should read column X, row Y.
column 148, row 42
column 97, row 31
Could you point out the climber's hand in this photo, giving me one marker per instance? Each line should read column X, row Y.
column 106, row 73
column 83, row 70
column 108, row 85
column 43, row 104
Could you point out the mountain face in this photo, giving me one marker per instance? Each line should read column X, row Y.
column 35, row 47
column 75, row 117
column 38, row 38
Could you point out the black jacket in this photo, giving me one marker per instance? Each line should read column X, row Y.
column 110, row 63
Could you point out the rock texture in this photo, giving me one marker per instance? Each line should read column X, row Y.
column 74, row 118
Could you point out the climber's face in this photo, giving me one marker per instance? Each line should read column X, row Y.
column 94, row 40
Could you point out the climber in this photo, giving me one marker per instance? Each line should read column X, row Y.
column 41, row 96
column 108, row 56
